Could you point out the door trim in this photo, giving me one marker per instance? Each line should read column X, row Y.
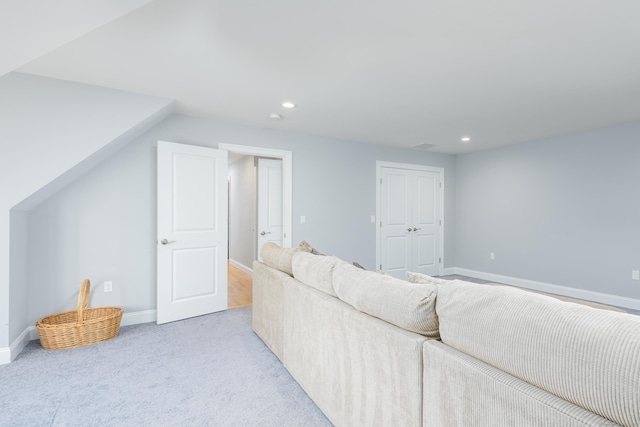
column 287, row 179
column 440, row 171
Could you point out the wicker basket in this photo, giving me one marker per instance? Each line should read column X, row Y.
column 79, row 327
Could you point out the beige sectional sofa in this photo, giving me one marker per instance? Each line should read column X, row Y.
column 373, row 350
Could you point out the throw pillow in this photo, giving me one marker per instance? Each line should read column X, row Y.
column 357, row 264
column 423, row 278
column 309, row 248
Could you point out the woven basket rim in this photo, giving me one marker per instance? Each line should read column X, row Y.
column 117, row 311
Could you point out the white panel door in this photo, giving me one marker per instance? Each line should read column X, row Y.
column 269, row 202
column 192, row 231
column 410, row 223
column 395, row 245
column 426, row 227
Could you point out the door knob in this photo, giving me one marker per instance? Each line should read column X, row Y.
column 409, row 229
column 166, row 242
column 265, row 232
column 416, row 229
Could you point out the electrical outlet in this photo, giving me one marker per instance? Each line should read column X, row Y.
column 303, row 219
column 108, row 286
column 492, row 256
column 635, row 275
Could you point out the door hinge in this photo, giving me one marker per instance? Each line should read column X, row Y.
column 440, row 185
column 380, row 266
column 440, row 260
column 380, row 180
column 380, row 224
column 440, row 222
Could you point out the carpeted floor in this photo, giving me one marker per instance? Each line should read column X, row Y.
column 206, row 371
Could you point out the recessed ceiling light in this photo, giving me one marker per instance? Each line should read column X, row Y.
column 275, row 116
column 288, row 104
column 465, row 139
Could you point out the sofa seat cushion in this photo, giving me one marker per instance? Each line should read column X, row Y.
column 280, row 258
column 588, row 356
column 315, row 270
column 410, row 306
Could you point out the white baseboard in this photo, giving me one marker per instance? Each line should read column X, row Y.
column 137, row 317
column 600, row 297
column 241, row 267
column 8, row 354
column 5, row 355
column 33, row 333
column 449, row 270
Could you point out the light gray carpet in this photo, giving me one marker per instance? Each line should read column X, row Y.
column 206, row 371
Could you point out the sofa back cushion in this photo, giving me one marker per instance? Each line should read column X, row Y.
column 315, row 270
column 280, row 258
column 410, row 306
column 587, row 356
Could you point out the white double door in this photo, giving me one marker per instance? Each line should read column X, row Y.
column 192, row 231
column 410, row 221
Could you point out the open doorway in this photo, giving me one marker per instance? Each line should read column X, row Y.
column 259, row 211
column 242, row 228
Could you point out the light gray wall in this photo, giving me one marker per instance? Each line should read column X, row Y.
column 564, row 211
column 18, row 298
column 242, row 211
column 103, row 226
column 50, row 131
column 100, row 228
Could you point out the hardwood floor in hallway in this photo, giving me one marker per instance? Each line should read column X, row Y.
column 240, row 287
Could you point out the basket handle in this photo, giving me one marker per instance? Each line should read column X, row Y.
column 83, row 298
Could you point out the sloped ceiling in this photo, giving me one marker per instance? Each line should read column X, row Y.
column 398, row 73
column 31, row 28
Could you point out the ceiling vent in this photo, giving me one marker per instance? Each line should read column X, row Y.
column 423, row 146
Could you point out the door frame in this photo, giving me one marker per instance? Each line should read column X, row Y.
column 440, row 171
column 287, row 180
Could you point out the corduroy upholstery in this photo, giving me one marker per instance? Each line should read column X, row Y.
column 587, row 356
column 315, row 270
column 410, row 306
column 268, row 306
column 462, row 391
column 507, row 357
column 281, row 258
column 360, row 371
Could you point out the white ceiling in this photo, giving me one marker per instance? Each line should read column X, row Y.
column 398, row 73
